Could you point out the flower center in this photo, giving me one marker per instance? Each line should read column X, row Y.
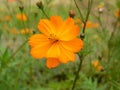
column 53, row 38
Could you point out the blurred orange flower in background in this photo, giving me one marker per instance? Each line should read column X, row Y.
column 26, row 31
column 5, row 27
column 14, row 31
column 90, row 24
column 78, row 21
column 7, row 18
column 97, row 65
column 21, row 17
column 11, row 0
column 117, row 13
column 58, row 42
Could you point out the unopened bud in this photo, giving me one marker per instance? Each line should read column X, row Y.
column 101, row 10
column 99, row 57
column 82, row 36
column 33, row 31
column 72, row 13
column 40, row 4
column 21, row 7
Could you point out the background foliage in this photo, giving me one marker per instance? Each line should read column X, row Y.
column 19, row 71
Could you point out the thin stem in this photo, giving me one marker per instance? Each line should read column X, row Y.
column 30, row 75
column 111, row 36
column 29, row 19
column 87, row 16
column 15, row 53
column 79, row 11
column 30, row 5
column 18, row 74
column 113, row 31
column 89, row 9
column 21, row 8
column 100, row 22
column 10, row 11
column 81, row 56
column 23, row 20
column 17, row 50
column 77, row 73
column 44, row 13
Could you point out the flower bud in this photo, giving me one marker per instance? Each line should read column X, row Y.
column 72, row 13
column 82, row 36
column 101, row 7
column 40, row 4
column 21, row 7
column 101, row 10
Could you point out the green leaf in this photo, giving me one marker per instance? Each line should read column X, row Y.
column 118, row 3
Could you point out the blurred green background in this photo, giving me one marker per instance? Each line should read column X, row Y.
column 19, row 71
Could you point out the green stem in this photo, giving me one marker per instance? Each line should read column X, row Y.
column 22, row 19
column 14, row 54
column 100, row 22
column 77, row 73
column 17, row 78
column 17, row 50
column 44, row 13
column 87, row 16
column 111, row 36
column 79, row 11
column 81, row 56
column 113, row 31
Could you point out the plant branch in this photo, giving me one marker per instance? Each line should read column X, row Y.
column 81, row 56
column 79, row 11
column 111, row 36
column 19, row 48
column 44, row 13
column 87, row 16
column 77, row 73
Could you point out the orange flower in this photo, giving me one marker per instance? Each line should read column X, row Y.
column 97, row 65
column 21, row 17
column 78, row 21
column 26, row 31
column 11, row 0
column 5, row 27
column 91, row 25
column 95, row 25
column 14, row 31
column 7, row 18
column 58, row 41
column 117, row 13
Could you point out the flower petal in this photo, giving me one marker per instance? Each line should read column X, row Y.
column 52, row 62
column 74, row 45
column 38, row 39
column 54, row 51
column 39, row 51
column 46, row 27
column 66, row 55
column 69, row 31
column 56, row 21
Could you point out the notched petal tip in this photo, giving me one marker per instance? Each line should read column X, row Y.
column 52, row 63
column 55, row 17
column 69, row 19
column 46, row 27
column 34, row 54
